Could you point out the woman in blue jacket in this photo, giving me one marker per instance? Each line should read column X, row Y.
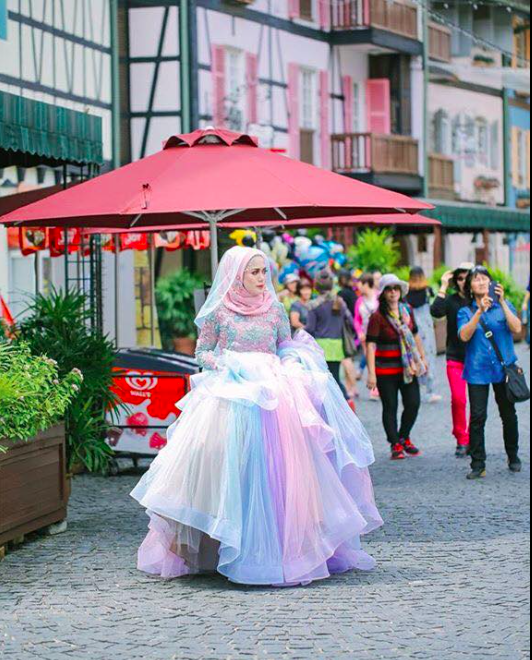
column 483, row 369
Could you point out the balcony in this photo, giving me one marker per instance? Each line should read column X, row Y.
column 440, row 38
column 386, row 15
column 391, row 161
column 441, row 177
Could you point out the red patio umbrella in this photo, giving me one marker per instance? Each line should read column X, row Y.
column 211, row 175
column 385, row 220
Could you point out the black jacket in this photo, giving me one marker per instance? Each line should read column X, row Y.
column 448, row 308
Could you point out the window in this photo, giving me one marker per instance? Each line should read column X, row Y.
column 309, row 96
column 235, row 89
column 3, row 19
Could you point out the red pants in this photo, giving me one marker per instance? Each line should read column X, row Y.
column 455, row 373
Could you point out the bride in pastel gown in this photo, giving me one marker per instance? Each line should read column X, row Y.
column 265, row 476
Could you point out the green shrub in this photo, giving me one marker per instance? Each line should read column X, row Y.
column 175, row 305
column 33, row 395
column 59, row 326
column 375, row 250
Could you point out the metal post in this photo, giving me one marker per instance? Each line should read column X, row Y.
column 117, row 290
column 37, row 274
column 153, row 311
column 115, row 77
column 214, row 245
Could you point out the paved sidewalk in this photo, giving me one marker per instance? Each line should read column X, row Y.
column 452, row 580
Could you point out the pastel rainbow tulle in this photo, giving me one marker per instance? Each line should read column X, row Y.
column 265, row 477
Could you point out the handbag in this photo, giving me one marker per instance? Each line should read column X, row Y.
column 349, row 338
column 517, row 388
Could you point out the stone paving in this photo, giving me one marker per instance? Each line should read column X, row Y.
column 452, row 580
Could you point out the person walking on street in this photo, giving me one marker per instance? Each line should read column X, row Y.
column 366, row 306
column 447, row 307
column 299, row 310
column 396, row 362
column 327, row 316
column 349, row 294
column 526, row 313
column 419, row 298
column 288, row 295
column 489, row 317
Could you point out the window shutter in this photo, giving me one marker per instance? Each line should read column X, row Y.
column 379, row 106
column 252, row 82
column 515, row 156
column 218, row 85
column 294, row 10
column 293, row 109
column 324, row 120
column 347, row 89
column 438, row 132
column 325, row 14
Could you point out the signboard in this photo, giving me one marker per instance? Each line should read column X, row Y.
column 3, row 20
column 151, row 397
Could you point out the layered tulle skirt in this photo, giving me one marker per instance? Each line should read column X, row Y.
column 265, row 476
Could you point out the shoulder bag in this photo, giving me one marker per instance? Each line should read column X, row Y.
column 516, row 385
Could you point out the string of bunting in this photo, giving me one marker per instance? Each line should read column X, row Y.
column 32, row 240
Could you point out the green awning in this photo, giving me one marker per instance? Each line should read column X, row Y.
column 35, row 133
column 476, row 217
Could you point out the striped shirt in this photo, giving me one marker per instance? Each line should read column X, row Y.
column 381, row 332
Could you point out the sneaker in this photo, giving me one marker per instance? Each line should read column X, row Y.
column 398, row 452
column 410, row 448
column 352, row 405
column 462, row 451
column 434, row 398
column 515, row 465
column 476, row 474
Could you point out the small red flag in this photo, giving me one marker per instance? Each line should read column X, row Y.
column 5, row 313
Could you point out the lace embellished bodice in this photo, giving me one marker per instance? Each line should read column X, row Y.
column 226, row 330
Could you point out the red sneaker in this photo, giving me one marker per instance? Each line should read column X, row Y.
column 410, row 448
column 398, row 452
column 352, row 405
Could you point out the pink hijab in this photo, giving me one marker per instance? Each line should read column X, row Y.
column 239, row 300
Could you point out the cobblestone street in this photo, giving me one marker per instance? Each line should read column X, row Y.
column 452, row 580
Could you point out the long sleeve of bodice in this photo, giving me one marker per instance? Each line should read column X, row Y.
column 207, row 342
column 284, row 329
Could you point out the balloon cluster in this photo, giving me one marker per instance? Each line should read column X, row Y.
column 297, row 254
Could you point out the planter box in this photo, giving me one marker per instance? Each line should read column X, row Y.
column 33, row 485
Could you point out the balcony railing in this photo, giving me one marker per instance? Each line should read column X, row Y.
column 441, row 177
column 381, row 154
column 384, row 14
column 440, row 43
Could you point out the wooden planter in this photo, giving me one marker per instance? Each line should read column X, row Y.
column 33, row 485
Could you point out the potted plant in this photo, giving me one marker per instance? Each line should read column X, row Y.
column 59, row 325
column 175, row 306
column 34, row 399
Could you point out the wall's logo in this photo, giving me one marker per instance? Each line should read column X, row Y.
column 3, row 19
column 142, row 382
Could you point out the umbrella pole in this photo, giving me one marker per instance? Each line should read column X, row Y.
column 117, row 290
column 152, row 288
column 213, row 223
